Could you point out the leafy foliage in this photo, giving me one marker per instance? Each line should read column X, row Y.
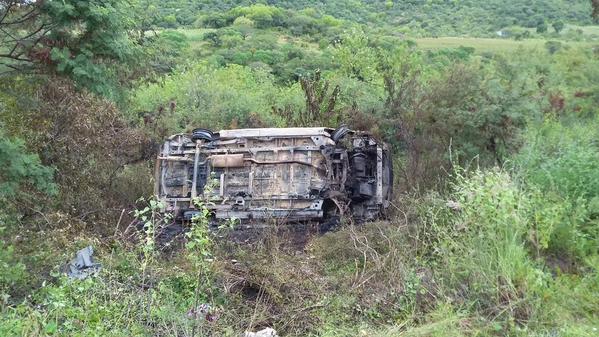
column 421, row 17
column 21, row 170
column 85, row 40
column 12, row 271
column 204, row 96
column 496, row 230
column 320, row 104
column 83, row 137
column 560, row 161
column 439, row 105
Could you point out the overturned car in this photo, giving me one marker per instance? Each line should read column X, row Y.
column 282, row 174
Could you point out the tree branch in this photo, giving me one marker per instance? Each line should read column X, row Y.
column 5, row 14
column 24, row 18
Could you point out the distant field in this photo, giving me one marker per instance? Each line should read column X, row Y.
column 195, row 36
column 587, row 30
column 487, row 44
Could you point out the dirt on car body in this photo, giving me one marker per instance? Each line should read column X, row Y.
column 286, row 174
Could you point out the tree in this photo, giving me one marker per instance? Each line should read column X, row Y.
column 320, row 104
column 21, row 29
column 595, row 4
column 145, row 16
column 212, row 37
column 558, row 26
column 264, row 16
column 213, row 20
column 166, row 50
column 541, row 27
column 81, row 39
column 82, row 136
column 170, row 21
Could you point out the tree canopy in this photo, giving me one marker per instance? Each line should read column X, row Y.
column 84, row 40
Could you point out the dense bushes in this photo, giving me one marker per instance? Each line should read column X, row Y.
column 12, row 272
column 496, row 231
column 486, row 251
column 420, row 17
column 111, row 305
column 441, row 108
column 21, row 172
column 472, row 256
column 84, row 138
column 422, row 103
column 458, row 264
column 560, row 162
column 205, row 96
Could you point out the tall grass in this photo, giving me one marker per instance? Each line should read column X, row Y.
column 561, row 162
column 503, row 252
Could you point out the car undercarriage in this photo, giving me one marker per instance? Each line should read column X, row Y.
column 282, row 174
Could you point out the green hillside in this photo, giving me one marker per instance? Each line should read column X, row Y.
column 425, row 17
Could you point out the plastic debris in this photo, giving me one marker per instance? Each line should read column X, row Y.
column 83, row 265
column 268, row 332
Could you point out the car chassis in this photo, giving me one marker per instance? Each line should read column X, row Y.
column 286, row 174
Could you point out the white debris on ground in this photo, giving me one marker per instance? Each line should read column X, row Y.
column 83, row 265
column 268, row 332
column 454, row 205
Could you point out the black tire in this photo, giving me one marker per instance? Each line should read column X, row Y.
column 339, row 133
column 332, row 216
column 330, row 224
column 202, row 134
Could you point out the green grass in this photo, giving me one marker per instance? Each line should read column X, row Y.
column 487, row 44
column 586, row 30
column 196, row 34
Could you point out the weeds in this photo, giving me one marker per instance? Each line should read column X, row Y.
column 497, row 254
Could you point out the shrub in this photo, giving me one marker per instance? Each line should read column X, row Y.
column 486, row 250
column 12, row 271
column 204, row 96
column 167, row 50
column 553, row 46
column 560, row 160
column 83, row 137
column 21, row 171
column 263, row 15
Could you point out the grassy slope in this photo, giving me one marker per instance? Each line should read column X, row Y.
column 487, row 44
column 329, row 293
column 480, row 44
column 588, row 30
